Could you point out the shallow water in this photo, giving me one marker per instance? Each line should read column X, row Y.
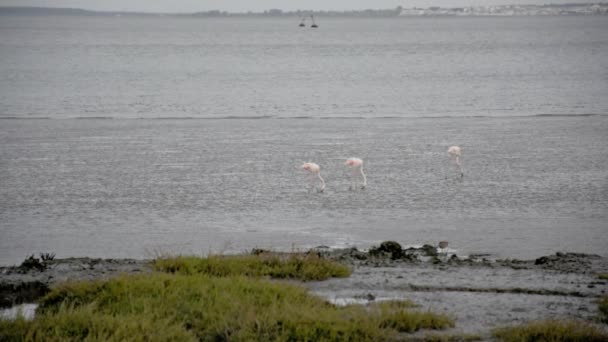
column 27, row 311
column 131, row 188
column 406, row 67
column 184, row 135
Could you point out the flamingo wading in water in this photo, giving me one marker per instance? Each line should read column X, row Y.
column 356, row 166
column 315, row 172
column 455, row 152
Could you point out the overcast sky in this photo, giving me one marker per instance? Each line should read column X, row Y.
column 259, row 5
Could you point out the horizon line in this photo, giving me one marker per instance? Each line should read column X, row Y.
column 277, row 11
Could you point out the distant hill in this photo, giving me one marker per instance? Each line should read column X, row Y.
column 44, row 11
column 63, row 11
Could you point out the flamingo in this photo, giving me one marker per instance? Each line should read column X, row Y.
column 356, row 165
column 314, row 169
column 455, row 152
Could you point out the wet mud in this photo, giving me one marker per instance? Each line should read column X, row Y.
column 480, row 292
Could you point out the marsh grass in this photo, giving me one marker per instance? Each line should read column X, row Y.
column 551, row 330
column 603, row 309
column 301, row 266
column 395, row 315
column 165, row 307
column 603, row 276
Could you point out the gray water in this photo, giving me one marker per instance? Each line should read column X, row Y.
column 128, row 137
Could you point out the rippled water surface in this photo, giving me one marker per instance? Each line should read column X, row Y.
column 126, row 137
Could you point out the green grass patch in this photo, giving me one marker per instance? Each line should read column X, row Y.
column 603, row 276
column 395, row 315
column 165, row 307
column 551, row 330
column 304, row 267
column 13, row 330
column 603, row 308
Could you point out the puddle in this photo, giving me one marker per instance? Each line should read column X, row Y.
column 28, row 311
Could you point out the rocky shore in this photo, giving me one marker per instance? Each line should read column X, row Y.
column 479, row 291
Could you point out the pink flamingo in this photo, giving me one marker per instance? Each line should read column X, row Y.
column 356, row 165
column 314, row 170
column 455, row 152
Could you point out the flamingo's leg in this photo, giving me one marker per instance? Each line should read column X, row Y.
column 363, row 178
column 322, row 183
column 456, row 164
column 311, row 183
column 459, row 166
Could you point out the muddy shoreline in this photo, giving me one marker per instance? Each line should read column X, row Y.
column 480, row 292
column 25, row 284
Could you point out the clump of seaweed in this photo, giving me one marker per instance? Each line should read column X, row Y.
column 31, row 263
column 47, row 256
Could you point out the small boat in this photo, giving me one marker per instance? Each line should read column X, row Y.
column 302, row 23
column 314, row 25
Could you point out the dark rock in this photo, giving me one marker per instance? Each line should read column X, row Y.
column 358, row 255
column 429, row 250
column 454, row 259
column 392, row 248
column 258, row 251
column 570, row 262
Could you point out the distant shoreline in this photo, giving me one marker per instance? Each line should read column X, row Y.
column 585, row 9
